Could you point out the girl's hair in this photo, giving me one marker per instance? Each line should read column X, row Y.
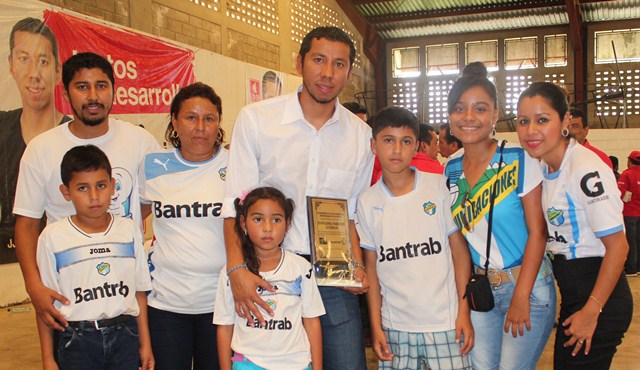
column 554, row 94
column 473, row 74
column 195, row 90
column 242, row 207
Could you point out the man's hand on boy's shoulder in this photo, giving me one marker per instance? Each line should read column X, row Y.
column 42, row 299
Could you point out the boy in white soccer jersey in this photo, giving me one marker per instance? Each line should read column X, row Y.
column 98, row 261
column 417, row 261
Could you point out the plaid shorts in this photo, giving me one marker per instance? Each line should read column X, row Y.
column 240, row 362
column 438, row 350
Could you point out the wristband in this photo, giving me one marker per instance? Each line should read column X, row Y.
column 242, row 266
column 598, row 302
column 358, row 264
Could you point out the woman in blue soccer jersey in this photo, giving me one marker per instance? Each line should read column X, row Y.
column 582, row 206
column 185, row 185
column 513, row 334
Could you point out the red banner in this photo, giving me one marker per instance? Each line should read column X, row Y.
column 149, row 72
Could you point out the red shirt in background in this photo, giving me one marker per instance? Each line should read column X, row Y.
column 600, row 153
column 630, row 181
column 421, row 162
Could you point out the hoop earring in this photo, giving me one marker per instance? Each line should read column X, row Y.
column 564, row 132
column 493, row 131
column 174, row 134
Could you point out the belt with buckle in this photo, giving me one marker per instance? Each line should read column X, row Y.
column 101, row 324
column 497, row 277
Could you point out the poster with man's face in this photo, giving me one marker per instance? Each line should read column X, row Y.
column 35, row 40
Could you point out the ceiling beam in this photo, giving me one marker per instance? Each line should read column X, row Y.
column 453, row 12
column 576, row 35
column 373, row 45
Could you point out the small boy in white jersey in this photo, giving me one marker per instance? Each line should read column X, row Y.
column 417, row 261
column 97, row 261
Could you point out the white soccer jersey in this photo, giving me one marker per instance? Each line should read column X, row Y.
column 188, row 249
column 410, row 234
column 283, row 343
column 581, row 202
column 38, row 188
column 98, row 273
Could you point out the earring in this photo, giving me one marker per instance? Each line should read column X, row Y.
column 245, row 233
column 174, row 134
column 493, row 132
column 564, row 132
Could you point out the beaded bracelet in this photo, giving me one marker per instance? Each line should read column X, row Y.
column 242, row 266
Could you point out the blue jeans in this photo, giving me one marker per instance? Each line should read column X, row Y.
column 342, row 341
column 495, row 349
column 116, row 347
column 178, row 340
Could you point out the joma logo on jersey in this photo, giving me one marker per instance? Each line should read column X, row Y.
column 99, row 250
column 410, row 250
column 555, row 217
column 103, row 291
column 195, row 209
column 429, row 208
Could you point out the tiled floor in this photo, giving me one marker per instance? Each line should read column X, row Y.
column 20, row 350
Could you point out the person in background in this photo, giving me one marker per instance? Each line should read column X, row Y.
column 629, row 185
column 356, row 108
column 579, row 129
column 513, row 334
column 447, row 143
column 88, row 81
column 424, row 160
column 305, row 144
column 185, row 186
column 586, row 241
column 35, row 67
column 614, row 163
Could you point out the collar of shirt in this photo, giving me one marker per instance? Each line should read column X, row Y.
column 293, row 113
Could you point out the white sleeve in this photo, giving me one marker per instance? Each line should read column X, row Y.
column 224, row 311
column 143, row 278
column 150, row 146
column 363, row 180
column 599, row 195
column 311, row 301
column 243, row 173
column 31, row 192
column 46, row 261
column 533, row 174
column 450, row 225
column 363, row 227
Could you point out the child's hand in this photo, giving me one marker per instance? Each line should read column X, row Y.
column 380, row 345
column 146, row 358
column 465, row 328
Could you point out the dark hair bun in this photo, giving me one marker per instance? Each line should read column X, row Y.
column 475, row 69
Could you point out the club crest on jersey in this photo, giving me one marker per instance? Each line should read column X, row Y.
column 103, row 268
column 555, row 217
column 429, row 208
column 271, row 303
column 223, row 173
